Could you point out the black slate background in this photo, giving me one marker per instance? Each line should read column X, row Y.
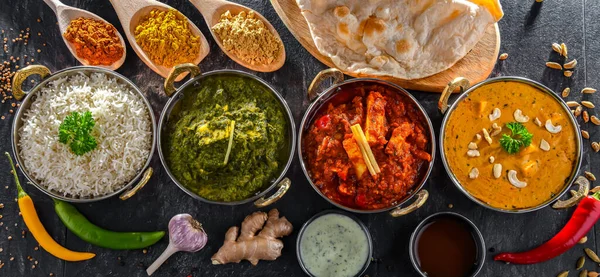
column 527, row 31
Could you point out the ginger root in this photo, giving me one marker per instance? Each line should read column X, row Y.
column 252, row 247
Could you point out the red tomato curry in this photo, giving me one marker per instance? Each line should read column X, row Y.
column 396, row 132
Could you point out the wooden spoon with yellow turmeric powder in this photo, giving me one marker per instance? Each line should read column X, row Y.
column 243, row 34
column 160, row 35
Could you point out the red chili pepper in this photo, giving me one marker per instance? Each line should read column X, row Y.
column 582, row 220
column 323, row 121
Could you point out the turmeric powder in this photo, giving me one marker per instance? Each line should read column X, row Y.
column 166, row 38
column 95, row 41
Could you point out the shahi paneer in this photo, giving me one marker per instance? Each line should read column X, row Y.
column 527, row 152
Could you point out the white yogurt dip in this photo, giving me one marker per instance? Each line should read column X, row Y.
column 334, row 245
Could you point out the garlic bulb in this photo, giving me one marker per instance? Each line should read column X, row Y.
column 185, row 234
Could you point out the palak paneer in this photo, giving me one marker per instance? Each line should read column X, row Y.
column 533, row 149
column 227, row 138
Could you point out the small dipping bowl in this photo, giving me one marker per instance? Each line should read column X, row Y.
column 306, row 228
column 447, row 218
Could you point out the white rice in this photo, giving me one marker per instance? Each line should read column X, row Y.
column 123, row 131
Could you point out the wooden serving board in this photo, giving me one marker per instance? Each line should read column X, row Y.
column 476, row 66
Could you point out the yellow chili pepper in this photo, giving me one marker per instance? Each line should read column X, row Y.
column 37, row 229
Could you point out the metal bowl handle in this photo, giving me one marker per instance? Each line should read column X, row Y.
column 461, row 82
column 421, row 199
column 128, row 194
column 584, row 189
column 23, row 74
column 169, row 84
column 334, row 73
column 284, row 186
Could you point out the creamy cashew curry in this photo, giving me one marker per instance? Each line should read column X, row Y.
column 510, row 145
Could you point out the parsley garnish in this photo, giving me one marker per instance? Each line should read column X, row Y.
column 76, row 130
column 519, row 137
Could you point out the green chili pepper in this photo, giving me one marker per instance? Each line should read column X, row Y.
column 95, row 235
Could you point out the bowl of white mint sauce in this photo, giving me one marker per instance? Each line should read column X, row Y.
column 334, row 244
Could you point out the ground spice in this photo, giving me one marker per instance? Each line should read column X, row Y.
column 95, row 40
column 248, row 38
column 166, row 38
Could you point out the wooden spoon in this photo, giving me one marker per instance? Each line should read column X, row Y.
column 212, row 10
column 131, row 11
column 64, row 15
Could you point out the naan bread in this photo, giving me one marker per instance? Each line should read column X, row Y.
column 406, row 39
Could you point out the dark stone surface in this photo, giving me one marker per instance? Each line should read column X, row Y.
column 527, row 31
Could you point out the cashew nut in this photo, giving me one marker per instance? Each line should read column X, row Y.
column 495, row 114
column 497, row 170
column 544, row 145
column 473, row 153
column 497, row 129
column 472, row 146
column 537, row 122
column 487, row 137
column 519, row 117
column 492, row 159
column 474, row 173
column 512, row 178
column 551, row 128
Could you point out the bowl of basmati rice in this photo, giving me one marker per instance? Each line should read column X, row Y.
column 124, row 130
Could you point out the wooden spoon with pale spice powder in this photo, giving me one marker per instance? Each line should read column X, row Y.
column 263, row 60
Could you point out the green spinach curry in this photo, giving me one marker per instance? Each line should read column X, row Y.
column 225, row 139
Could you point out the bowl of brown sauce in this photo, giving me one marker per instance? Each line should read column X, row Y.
column 447, row 245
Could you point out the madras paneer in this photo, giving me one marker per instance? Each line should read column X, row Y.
column 396, row 132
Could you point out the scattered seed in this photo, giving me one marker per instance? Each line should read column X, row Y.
column 571, row 64
column 588, row 90
column 564, row 273
column 577, row 111
column 590, row 176
column 595, row 120
column 556, row 47
column 583, row 273
column 450, row 206
column 503, row 56
column 580, row 262
column 590, row 253
column 595, row 146
column 592, row 274
column 586, row 116
column 565, row 92
column 588, row 104
column 583, row 240
column 568, row 73
column 565, row 51
column 145, row 251
column 554, row 65
column 573, row 104
column 585, row 134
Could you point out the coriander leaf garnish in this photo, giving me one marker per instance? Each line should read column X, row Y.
column 519, row 137
column 76, row 130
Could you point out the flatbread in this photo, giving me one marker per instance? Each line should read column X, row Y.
column 406, row 39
